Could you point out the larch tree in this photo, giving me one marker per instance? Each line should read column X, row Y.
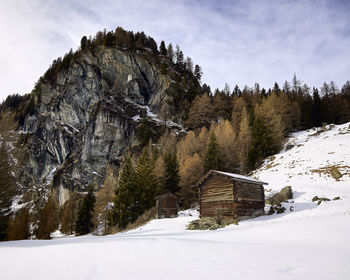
column 237, row 110
column 244, row 141
column 170, row 52
column 190, row 172
column 226, row 137
column 201, row 112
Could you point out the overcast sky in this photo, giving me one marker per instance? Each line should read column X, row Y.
column 238, row 42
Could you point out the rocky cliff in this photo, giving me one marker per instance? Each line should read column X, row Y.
column 82, row 122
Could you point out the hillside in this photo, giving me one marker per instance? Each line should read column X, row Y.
column 310, row 242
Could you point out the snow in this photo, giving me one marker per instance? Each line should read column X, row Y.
column 240, row 177
column 16, row 205
column 310, row 242
column 49, row 176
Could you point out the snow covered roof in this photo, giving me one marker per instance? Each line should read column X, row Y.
column 236, row 177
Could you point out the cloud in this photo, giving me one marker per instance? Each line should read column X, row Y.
column 238, row 42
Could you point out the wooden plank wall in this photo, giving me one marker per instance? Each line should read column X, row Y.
column 249, row 199
column 216, row 197
column 167, row 206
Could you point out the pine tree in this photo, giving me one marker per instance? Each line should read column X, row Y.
column 146, row 180
column 126, row 206
column 162, row 49
column 198, row 72
column 84, row 223
column 262, row 142
column 172, row 178
column 212, row 158
column 316, row 112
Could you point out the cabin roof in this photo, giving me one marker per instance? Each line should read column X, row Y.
column 236, row 177
column 165, row 195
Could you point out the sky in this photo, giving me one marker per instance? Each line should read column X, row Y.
column 235, row 42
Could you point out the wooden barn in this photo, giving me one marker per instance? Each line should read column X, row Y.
column 167, row 205
column 230, row 196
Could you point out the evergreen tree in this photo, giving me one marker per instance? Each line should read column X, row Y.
column 170, row 52
column 212, row 158
column 146, row 181
column 262, row 144
column 316, row 112
column 162, row 49
column 83, row 43
column 84, row 223
column 172, row 178
column 126, row 206
column 198, row 72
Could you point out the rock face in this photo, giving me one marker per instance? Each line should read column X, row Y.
column 87, row 118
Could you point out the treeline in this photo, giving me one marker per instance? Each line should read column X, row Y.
column 170, row 60
column 153, row 173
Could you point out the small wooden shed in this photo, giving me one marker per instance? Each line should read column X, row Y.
column 229, row 195
column 167, row 205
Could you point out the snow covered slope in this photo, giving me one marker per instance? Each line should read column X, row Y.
column 311, row 242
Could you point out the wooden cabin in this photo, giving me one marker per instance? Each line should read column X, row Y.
column 229, row 195
column 167, row 205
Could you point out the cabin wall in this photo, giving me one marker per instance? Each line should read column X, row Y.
column 216, row 197
column 249, row 199
column 167, row 207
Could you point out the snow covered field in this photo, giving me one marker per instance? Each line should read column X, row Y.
column 311, row 242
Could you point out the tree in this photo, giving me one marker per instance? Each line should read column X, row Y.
column 83, row 43
column 296, row 84
column 244, row 141
column 179, row 56
column 171, row 174
column 48, row 219
column 170, row 52
column 198, row 72
column 162, row 49
column 146, row 180
column 18, row 228
column 109, row 39
column 84, row 223
column 238, row 106
column 212, row 158
column 127, row 201
column 69, row 214
column 262, row 144
column 201, row 112
column 287, row 87
column 226, row 137
column 316, row 112
column 189, row 64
